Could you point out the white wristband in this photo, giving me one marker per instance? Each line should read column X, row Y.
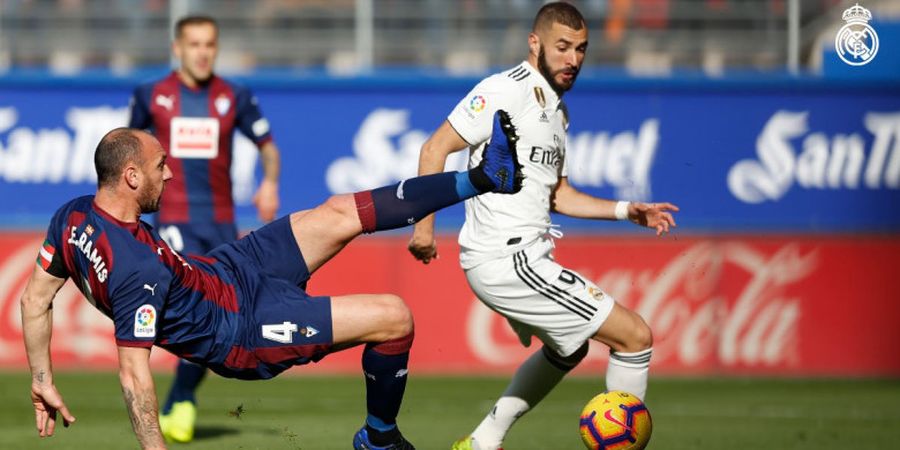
column 622, row 210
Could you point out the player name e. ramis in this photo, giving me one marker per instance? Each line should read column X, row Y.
column 87, row 248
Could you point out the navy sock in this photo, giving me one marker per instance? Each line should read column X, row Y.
column 407, row 202
column 187, row 377
column 385, row 368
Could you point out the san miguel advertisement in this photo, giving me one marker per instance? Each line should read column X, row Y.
column 782, row 262
column 739, row 158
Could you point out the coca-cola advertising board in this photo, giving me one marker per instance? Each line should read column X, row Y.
column 732, row 305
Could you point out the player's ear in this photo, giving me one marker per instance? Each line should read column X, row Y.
column 132, row 176
column 534, row 44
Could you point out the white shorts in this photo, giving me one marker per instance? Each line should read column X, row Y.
column 541, row 298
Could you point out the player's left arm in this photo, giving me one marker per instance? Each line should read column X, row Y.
column 37, row 326
column 266, row 197
column 572, row 202
column 140, row 395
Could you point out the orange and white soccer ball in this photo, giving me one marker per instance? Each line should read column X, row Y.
column 615, row 420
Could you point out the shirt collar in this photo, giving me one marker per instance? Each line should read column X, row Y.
column 130, row 226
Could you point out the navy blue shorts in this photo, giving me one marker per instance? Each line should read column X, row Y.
column 196, row 239
column 282, row 325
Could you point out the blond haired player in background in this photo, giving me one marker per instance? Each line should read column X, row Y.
column 507, row 241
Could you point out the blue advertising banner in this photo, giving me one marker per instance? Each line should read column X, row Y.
column 735, row 156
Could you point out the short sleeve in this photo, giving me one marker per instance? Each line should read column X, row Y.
column 473, row 116
column 50, row 254
column 137, row 302
column 138, row 109
column 250, row 119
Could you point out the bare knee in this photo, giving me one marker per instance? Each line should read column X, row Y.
column 397, row 317
column 336, row 216
column 369, row 318
column 625, row 331
column 342, row 211
column 397, row 336
column 642, row 336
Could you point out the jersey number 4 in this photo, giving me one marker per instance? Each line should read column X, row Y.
column 282, row 332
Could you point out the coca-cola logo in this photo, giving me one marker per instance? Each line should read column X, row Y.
column 715, row 305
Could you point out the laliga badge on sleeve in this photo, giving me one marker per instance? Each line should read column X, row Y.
column 145, row 322
column 477, row 104
column 856, row 42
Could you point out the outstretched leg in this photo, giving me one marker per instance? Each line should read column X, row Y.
column 326, row 229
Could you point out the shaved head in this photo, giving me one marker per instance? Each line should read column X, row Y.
column 557, row 12
column 114, row 152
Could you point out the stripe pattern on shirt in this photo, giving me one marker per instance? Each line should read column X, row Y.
column 520, row 73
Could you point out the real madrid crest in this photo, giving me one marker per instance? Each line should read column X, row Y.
column 596, row 293
column 856, row 42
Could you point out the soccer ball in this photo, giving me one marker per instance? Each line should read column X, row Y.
column 615, row 420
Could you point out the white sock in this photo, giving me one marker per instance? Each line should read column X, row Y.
column 534, row 379
column 628, row 372
column 490, row 432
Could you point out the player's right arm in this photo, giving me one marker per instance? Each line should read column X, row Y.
column 139, row 108
column 138, row 298
column 469, row 124
column 37, row 325
column 140, row 396
column 432, row 159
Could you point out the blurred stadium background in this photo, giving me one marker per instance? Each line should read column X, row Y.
column 784, row 159
column 646, row 37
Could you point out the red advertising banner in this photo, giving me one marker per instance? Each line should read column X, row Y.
column 779, row 305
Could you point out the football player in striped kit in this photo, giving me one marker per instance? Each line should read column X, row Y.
column 194, row 114
column 506, row 242
column 241, row 309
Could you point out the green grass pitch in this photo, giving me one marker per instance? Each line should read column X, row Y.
column 318, row 412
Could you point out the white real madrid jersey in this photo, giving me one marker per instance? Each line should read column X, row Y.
column 500, row 224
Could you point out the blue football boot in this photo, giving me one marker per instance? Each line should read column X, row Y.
column 499, row 160
column 361, row 441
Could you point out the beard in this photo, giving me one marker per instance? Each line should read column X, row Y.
column 149, row 201
column 550, row 75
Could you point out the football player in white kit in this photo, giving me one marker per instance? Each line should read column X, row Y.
column 507, row 240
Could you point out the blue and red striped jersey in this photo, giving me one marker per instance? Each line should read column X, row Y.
column 196, row 127
column 187, row 305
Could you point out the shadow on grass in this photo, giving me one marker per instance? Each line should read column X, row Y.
column 210, row 432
